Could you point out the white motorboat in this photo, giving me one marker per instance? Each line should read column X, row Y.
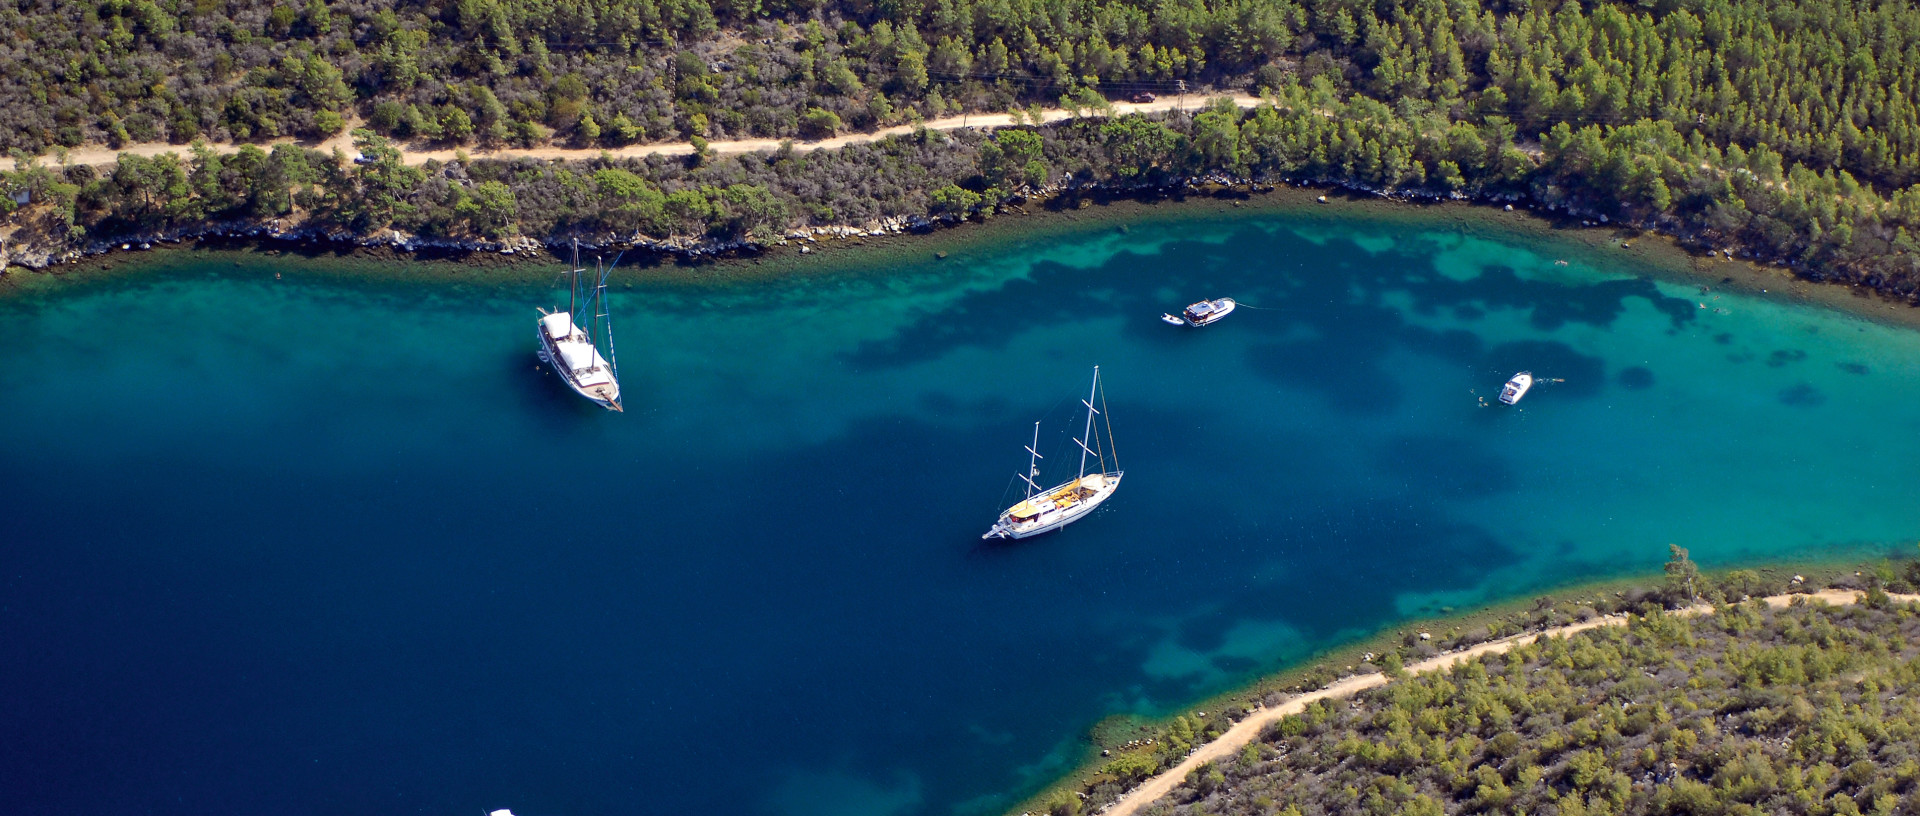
column 1516, row 387
column 1207, row 312
column 574, row 350
column 1069, row 501
column 1177, row 321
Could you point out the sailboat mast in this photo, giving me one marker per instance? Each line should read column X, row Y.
column 1108, row 418
column 1033, row 459
column 1084, row 435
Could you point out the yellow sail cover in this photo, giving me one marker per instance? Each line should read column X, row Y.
column 1025, row 509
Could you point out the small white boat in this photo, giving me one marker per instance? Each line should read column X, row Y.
column 1167, row 318
column 1208, row 311
column 1516, row 387
column 1067, row 502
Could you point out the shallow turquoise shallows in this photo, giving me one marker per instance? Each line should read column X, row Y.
column 325, row 545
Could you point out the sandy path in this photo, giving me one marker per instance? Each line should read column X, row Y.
column 97, row 155
column 419, row 155
column 1249, row 729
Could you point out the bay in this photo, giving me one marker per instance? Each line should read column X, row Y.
column 333, row 542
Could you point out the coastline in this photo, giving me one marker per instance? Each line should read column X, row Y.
column 869, row 249
column 1345, row 669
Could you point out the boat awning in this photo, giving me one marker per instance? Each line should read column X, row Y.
column 578, row 356
column 559, row 325
column 1025, row 509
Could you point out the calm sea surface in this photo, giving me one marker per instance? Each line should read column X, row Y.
column 321, row 545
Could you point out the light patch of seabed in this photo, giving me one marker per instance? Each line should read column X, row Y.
column 840, row 793
column 1461, row 257
column 222, row 328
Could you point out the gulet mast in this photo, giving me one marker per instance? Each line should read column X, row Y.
column 573, row 283
column 603, row 317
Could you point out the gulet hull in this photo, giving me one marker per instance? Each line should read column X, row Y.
column 606, row 395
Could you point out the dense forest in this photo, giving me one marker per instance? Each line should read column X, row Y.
column 1786, row 129
column 1828, row 84
column 1806, row 709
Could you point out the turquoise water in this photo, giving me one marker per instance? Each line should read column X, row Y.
column 318, row 545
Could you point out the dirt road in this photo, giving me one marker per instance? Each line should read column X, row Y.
column 419, row 154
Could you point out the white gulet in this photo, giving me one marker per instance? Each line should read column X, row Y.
column 574, row 350
column 1070, row 501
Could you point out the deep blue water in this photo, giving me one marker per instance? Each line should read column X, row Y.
column 321, row 546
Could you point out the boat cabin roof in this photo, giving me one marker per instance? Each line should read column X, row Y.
column 588, row 367
column 558, row 325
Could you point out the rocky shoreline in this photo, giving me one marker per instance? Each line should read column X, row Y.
column 1063, row 195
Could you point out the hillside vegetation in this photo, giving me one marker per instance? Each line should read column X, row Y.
column 1807, row 709
column 1788, row 129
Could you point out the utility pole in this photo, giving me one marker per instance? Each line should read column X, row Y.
column 1182, row 85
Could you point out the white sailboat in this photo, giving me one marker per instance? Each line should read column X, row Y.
column 574, row 350
column 1070, row 501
